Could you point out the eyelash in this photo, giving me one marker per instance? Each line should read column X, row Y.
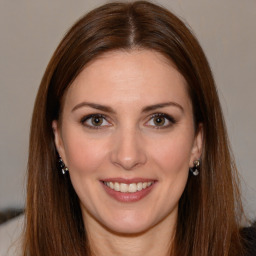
column 86, row 118
column 169, row 118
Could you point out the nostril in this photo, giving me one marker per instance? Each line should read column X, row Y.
column 127, row 152
column 129, row 163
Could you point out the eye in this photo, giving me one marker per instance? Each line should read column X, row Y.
column 95, row 121
column 160, row 120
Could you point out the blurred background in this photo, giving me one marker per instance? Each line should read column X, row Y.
column 31, row 30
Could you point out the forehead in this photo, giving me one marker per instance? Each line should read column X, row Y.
column 118, row 77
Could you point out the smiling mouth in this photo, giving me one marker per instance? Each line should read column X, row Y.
column 128, row 188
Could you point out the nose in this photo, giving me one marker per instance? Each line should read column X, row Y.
column 128, row 151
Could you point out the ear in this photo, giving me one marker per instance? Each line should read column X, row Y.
column 196, row 151
column 58, row 139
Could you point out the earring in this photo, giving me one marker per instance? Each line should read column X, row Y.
column 194, row 170
column 63, row 167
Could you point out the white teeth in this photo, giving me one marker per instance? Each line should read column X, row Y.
column 124, row 187
column 131, row 188
column 117, row 186
column 139, row 186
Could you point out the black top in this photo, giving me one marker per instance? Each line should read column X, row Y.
column 249, row 235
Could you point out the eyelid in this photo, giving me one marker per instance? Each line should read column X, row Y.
column 87, row 117
column 170, row 119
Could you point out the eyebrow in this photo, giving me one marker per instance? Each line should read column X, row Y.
column 162, row 105
column 110, row 110
column 94, row 105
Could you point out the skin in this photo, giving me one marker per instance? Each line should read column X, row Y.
column 129, row 143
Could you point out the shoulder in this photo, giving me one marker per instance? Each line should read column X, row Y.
column 249, row 239
column 10, row 236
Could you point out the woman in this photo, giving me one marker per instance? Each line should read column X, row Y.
column 128, row 149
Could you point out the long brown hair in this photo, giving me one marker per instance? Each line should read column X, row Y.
column 209, row 209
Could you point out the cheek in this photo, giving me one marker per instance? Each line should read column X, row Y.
column 173, row 154
column 83, row 155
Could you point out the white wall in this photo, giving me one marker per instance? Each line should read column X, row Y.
column 31, row 30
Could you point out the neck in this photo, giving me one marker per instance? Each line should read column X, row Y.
column 155, row 241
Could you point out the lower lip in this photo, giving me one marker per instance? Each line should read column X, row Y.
column 128, row 197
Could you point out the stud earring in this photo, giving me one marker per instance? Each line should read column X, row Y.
column 63, row 167
column 194, row 170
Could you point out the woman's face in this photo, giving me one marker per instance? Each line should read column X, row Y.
column 127, row 137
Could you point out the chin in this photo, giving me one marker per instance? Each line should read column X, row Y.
column 128, row 225
column 128, row 229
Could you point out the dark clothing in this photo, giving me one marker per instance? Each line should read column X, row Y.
column 249, row 236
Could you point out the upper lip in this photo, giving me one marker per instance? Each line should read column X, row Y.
column 128, row 180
